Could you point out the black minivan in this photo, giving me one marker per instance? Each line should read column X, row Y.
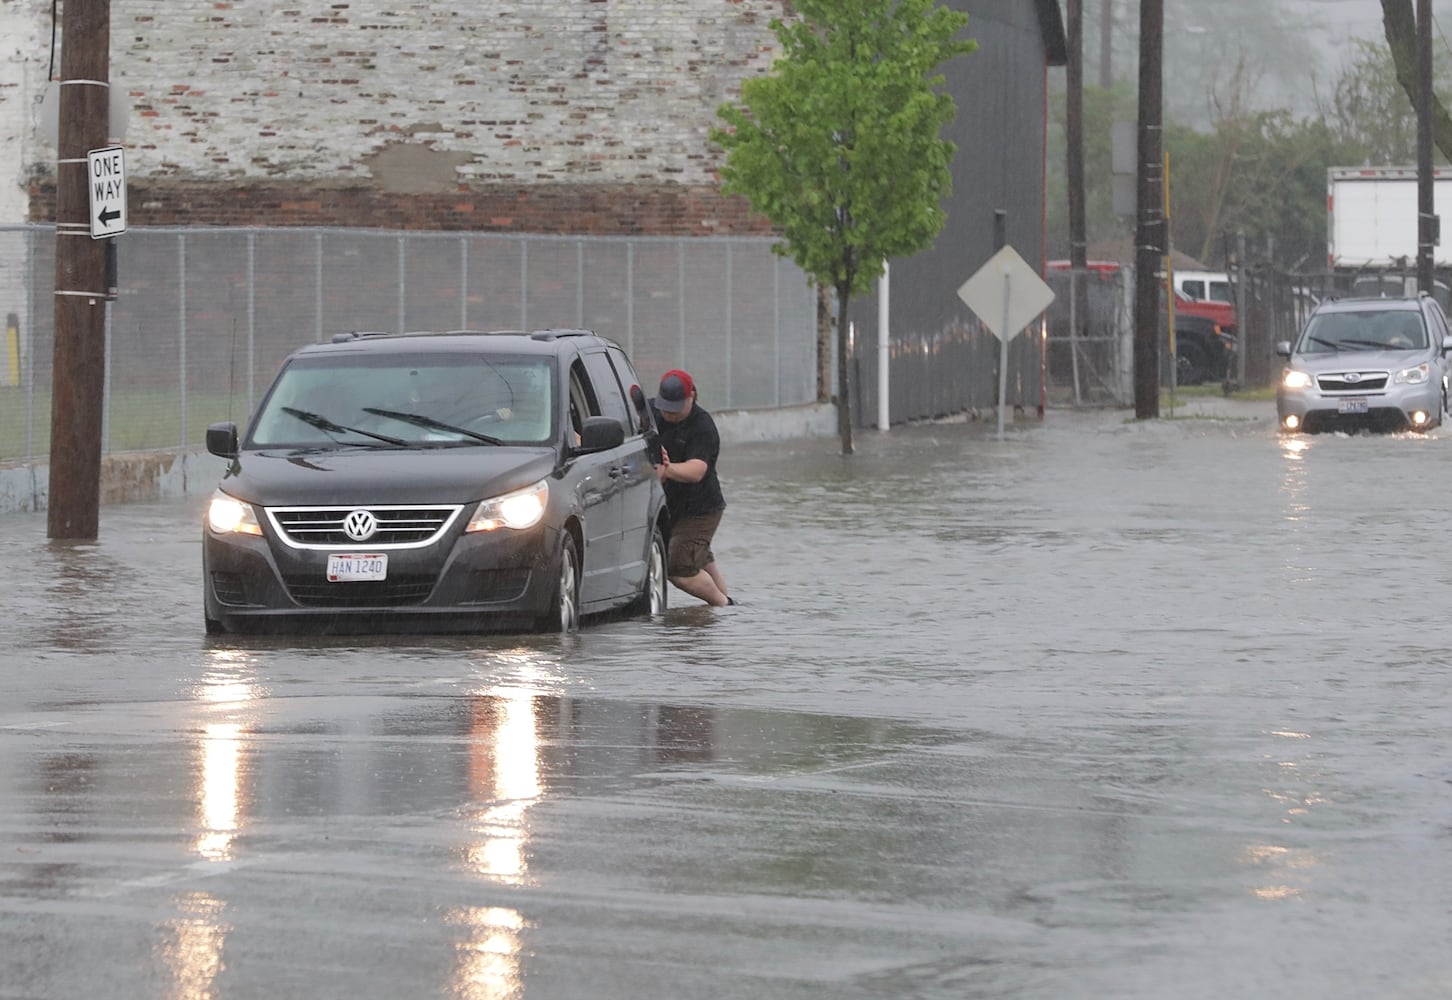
column 439, row 482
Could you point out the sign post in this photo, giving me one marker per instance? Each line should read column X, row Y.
column 1006, row 295
column 106, row 183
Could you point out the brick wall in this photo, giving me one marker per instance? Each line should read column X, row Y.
column 590, row 209
column 24, row 50
column 517, row 115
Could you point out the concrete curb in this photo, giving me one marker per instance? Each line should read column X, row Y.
column 159, row 475
column 125, row 478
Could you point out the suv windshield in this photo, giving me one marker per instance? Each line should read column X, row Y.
column 1364, row 330
column 394, row 400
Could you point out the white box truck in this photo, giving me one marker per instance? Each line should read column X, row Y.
column 1371, row 217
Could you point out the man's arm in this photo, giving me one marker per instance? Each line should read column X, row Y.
column 690, row 471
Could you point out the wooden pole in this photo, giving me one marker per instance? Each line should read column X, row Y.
column 80, row 276
column 1078, row 251
column 1106, row 45
column 1150, row 234
column 1426, row 201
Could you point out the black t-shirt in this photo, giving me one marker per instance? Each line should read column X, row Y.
column 694, row 437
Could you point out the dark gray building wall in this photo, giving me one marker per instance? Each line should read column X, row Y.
column 943, row 359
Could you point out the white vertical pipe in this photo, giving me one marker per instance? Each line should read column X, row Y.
column 883, row 342
column 1003, row 352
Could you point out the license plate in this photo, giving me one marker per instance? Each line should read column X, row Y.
column 351, row 567
column 1353, row 406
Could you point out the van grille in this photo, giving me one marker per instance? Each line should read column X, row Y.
column 398, row 527
column 399, row 591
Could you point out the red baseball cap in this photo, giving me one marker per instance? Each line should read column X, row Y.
column 676, row 387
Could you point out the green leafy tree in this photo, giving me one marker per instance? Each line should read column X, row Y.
column 1369, row 108
column 1102, row 227
column 1277, row 197
column 841, row 146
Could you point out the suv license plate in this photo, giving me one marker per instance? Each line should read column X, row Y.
column 1353, row 405
column 352, row 567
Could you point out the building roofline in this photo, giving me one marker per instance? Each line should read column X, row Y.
column 1051, row 23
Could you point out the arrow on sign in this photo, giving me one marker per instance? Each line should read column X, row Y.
column 108, row 216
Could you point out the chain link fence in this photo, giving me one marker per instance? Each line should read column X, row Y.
column 204, row 317
column 1090, row 357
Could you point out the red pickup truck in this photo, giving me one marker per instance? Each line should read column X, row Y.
column 1221, row 312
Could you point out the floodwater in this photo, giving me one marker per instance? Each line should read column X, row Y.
column 1106, row 709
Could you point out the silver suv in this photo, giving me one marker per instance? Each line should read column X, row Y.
column 1366, row 364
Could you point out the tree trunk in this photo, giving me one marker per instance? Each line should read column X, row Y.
column 824, row 343
column 1401, row 38
column 844, row 367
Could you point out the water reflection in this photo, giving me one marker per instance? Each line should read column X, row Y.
column 221, row 750
column 504, row 766
column 231, row 694
column 79, row 572
column 1286, row 870
column 489, row 954
column 1294, row 473
column 193, row 948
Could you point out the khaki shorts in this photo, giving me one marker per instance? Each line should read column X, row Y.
column 691, row 544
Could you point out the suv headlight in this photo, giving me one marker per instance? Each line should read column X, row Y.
column 520, row 509
column 1293, row 379
column 226, row 515
column 1413, row 376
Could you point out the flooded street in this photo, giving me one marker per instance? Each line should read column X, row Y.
column 1108, row 709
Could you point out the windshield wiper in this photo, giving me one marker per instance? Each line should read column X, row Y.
column 418, row 419
column 1373, row 344
column 322, row 423
column 1334, row 345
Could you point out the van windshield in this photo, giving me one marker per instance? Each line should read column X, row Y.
column 428, row 400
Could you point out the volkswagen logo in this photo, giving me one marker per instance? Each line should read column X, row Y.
column 1351, row 377
column 360, row 525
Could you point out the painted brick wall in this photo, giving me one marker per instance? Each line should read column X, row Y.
column 24, row 52
column 539, row 115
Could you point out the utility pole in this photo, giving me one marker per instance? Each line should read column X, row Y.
column 1074, row 111
column 80, row 276
column 1150, row 233
column 1427, row 222
column 1106, row 45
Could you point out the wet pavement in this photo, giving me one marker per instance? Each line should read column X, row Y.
column 1108, row 709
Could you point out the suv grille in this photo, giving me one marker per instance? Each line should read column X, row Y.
column 398, row 527
column 1365, row 382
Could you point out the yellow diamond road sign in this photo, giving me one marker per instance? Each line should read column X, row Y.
column 1006, row 294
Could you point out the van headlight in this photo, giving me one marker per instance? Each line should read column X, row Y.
column 519, row 510
column 1413, row 376
column 1293, row 379
column 226, row 515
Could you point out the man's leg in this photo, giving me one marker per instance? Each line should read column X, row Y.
column 691, row 564
column 702, row 586
column 714, row 572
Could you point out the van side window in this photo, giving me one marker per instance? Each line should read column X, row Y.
column 608, row 391
column 582, row 400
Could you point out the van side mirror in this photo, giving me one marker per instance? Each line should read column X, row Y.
column 601, row 434
column 222, row 439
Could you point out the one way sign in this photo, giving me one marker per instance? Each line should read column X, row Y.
column 106, row 180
